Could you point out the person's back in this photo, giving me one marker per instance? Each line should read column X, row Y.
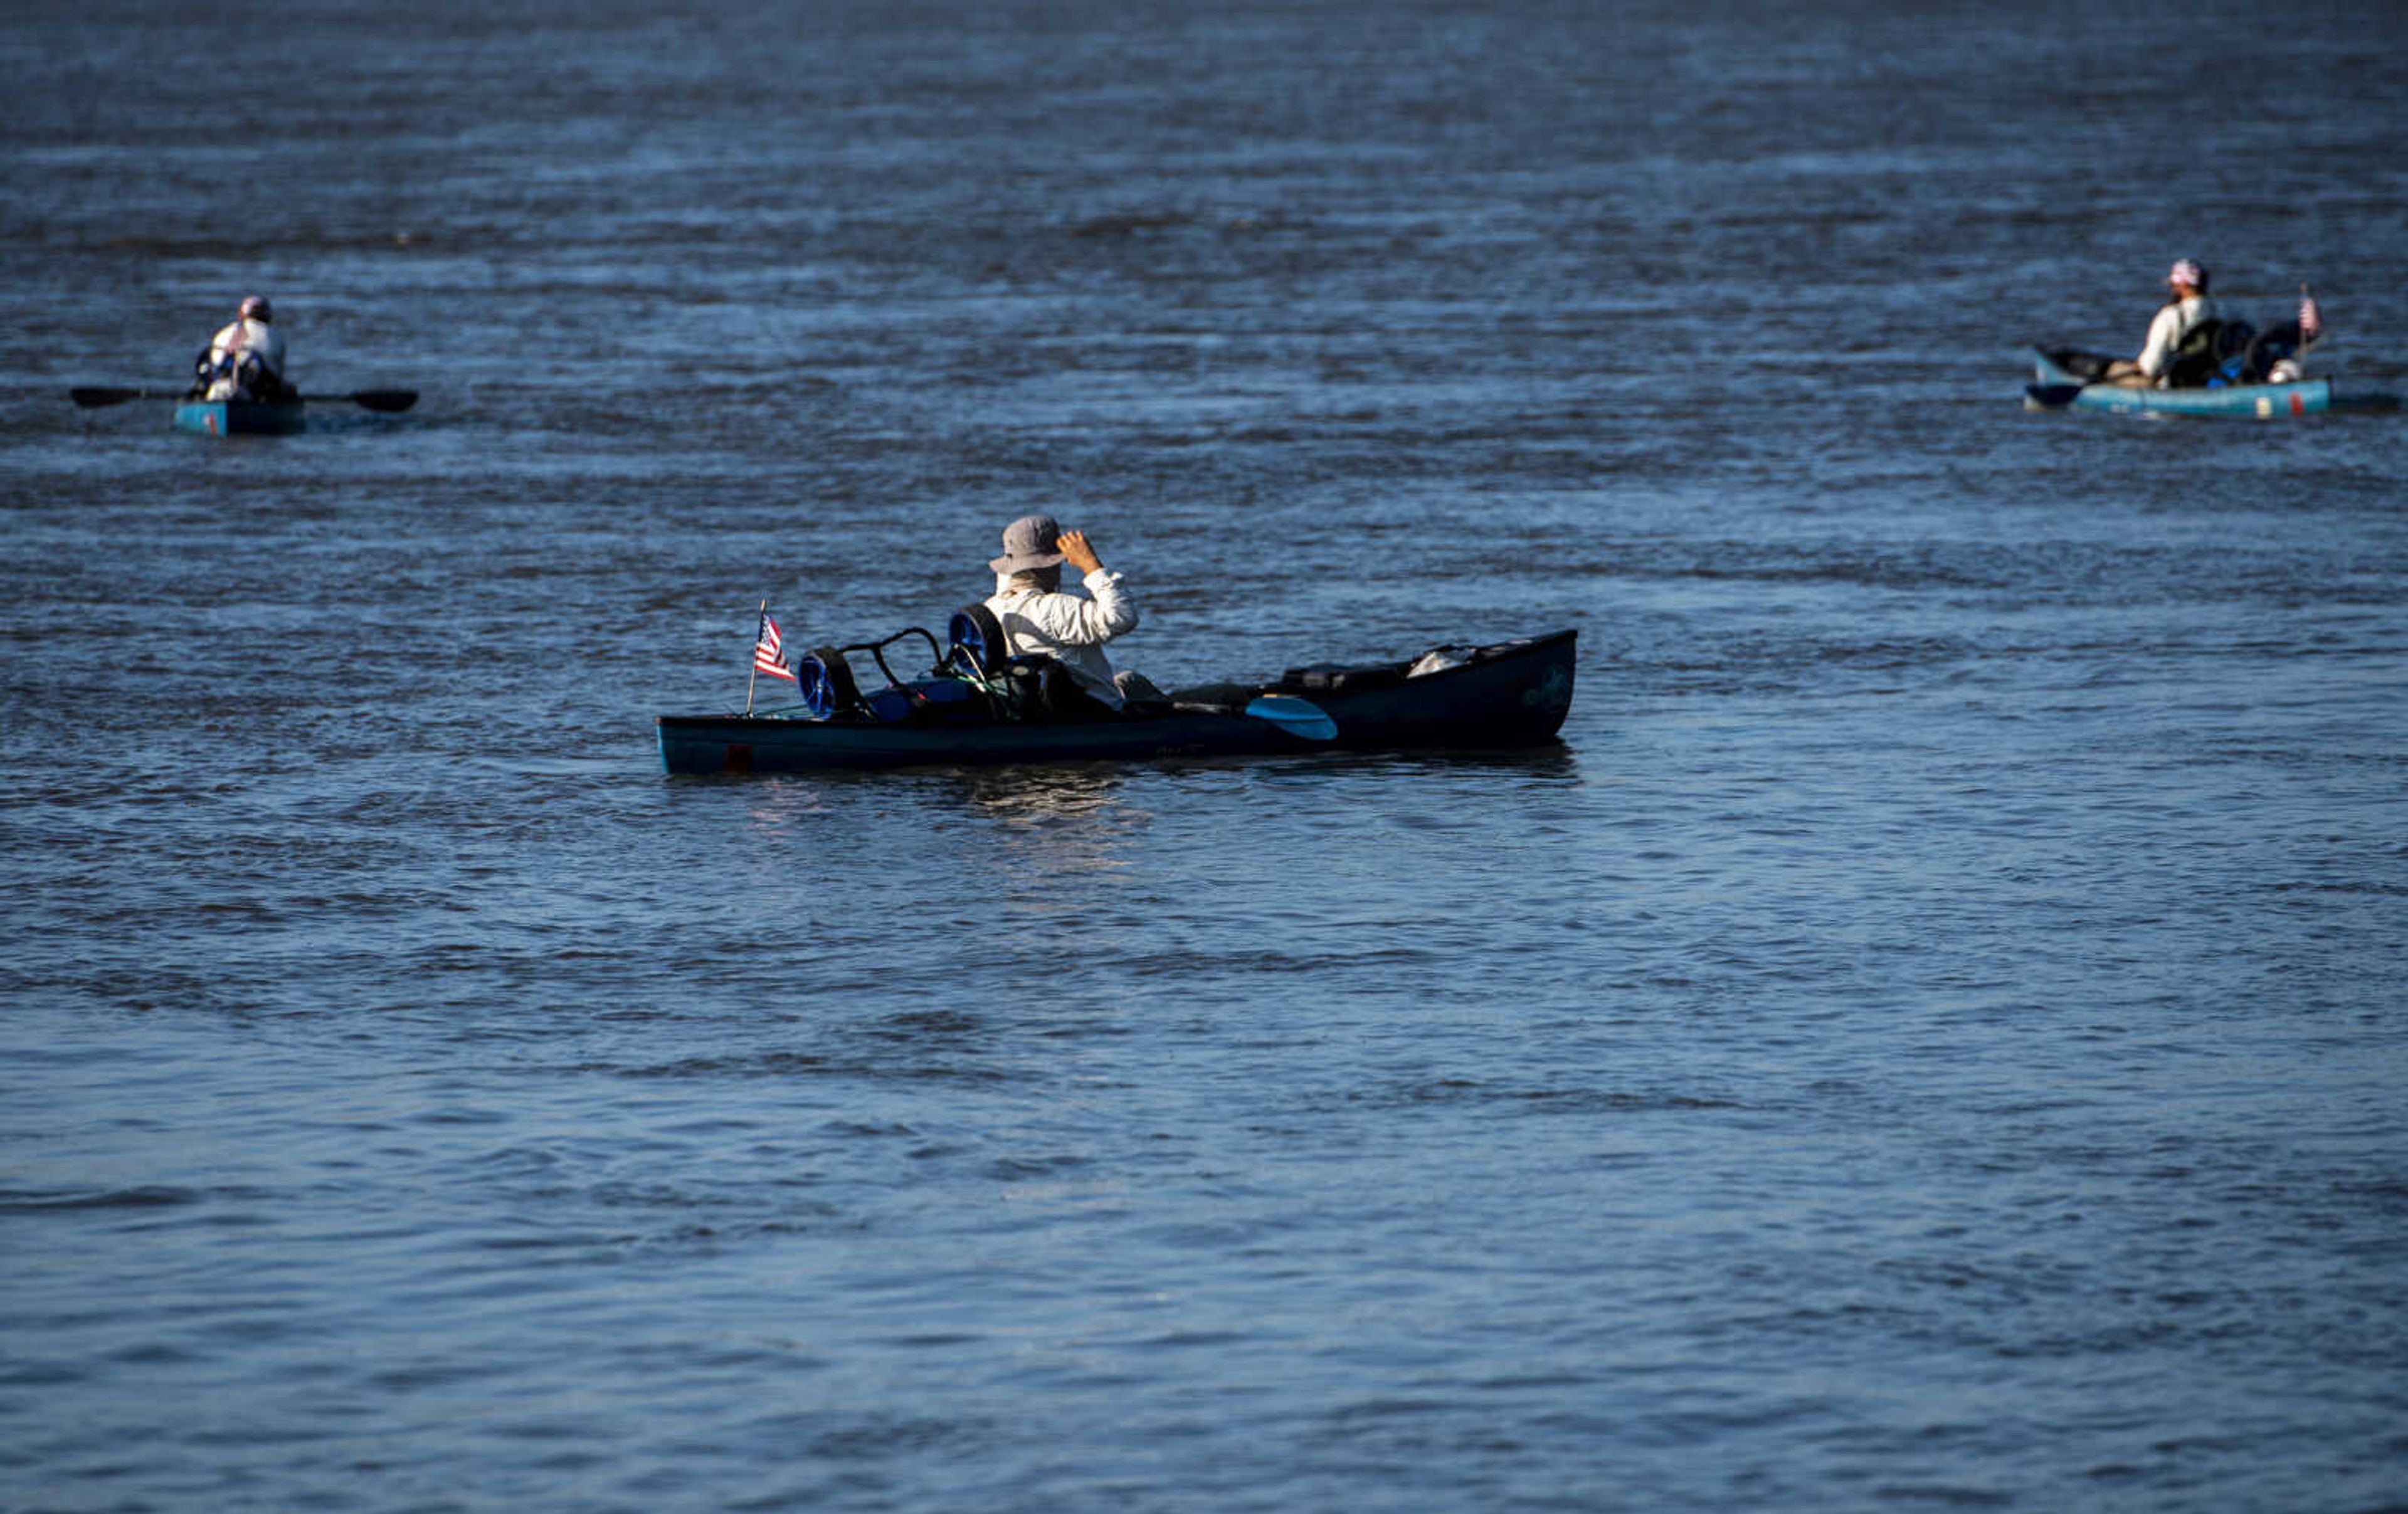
column 246, row 357
column 1037, row 618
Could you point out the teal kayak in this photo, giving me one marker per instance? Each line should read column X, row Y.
column 2058, row 386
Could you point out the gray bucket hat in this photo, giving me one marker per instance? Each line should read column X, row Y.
column 1028, row 542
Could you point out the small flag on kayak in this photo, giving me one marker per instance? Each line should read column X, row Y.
column 2312, row 321
column 768, row 651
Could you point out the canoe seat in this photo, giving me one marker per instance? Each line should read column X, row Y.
column 2210, row 352
column 978, row 643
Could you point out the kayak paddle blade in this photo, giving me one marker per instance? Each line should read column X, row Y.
column 92, row 396
column 1298, row 717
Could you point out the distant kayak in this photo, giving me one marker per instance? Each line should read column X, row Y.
column 1506, row 694
column 2059, row 383
column 234, row 417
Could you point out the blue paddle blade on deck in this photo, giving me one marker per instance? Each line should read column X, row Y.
column 1298, row 717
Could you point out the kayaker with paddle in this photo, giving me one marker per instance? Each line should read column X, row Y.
column 245, row 360
column 2186, row 308
column 1037, row 618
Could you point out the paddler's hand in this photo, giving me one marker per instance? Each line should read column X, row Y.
column 1074, row 548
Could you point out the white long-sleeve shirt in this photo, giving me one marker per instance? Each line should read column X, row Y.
column 1070, row 629
column 2174, row 320
column 239, row 337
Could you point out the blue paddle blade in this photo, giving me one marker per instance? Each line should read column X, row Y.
column 1298, row 717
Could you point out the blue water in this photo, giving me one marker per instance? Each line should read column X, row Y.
column 1931, row 1035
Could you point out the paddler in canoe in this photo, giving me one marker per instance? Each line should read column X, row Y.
column 2191, row 348
column 245, row 360
column 1037, row 618
column 238, row 382
column 1045, row 691
column 2168, row 354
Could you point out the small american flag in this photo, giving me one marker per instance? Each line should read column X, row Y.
column 768, row 651
column 2312, row 321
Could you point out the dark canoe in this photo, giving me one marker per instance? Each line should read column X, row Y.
column 232, row 417
column 2061, row 384
column 1508, row 694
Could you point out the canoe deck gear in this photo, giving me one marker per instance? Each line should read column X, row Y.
column 970, row 677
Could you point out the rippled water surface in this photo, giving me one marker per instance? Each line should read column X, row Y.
column 1931, row 1035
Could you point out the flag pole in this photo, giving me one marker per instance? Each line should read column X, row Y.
column 752, row 667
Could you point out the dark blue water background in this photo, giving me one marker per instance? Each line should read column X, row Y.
column 1932, row 1036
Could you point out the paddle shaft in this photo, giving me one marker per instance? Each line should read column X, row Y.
column 92, row 396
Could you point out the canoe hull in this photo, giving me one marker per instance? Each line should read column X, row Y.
column 2056, row 388
column 759, row 744
column 1511, row 694
column 239, row 417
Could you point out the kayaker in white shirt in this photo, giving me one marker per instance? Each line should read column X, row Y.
column 246, row 358
column 2189, row 305
column 1038, row 617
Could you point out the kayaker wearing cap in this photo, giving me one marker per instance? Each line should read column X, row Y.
column 2185, row 307
column 1038, row 617
column 245, row 359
